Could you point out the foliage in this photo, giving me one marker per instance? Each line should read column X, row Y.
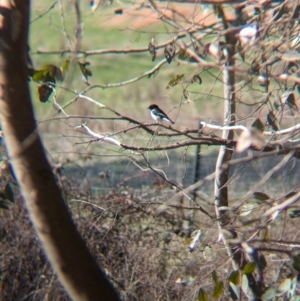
column 162, row 245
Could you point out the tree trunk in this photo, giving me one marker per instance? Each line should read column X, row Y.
column 62, row 243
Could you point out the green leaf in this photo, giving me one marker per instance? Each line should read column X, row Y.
column 249, row 268
column 4, row 205
column 218, row 290
column 235, row 277
column 296, row 262
column 175, row 80
column 234, row 291
column 38, row 75
column 258, row 124
column 65, row 66
column 2, row 196
column 9, row 193
column 202, row 296
column 47, row 73
column 215, row 276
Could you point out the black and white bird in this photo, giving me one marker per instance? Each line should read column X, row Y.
column 158, row 115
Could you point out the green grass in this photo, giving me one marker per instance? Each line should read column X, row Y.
column 47, row 34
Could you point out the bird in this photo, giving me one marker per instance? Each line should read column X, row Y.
column 158, row 115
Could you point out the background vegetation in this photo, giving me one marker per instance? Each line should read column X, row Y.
column 155, row 242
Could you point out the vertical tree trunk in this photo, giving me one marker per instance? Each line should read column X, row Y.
column 225, row 154
column 62, row 243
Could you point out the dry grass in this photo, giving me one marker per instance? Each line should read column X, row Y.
column 142, row 246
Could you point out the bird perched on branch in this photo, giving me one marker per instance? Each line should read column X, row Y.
column 158, row 115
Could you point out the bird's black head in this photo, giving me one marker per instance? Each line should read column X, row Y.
column 151, row 107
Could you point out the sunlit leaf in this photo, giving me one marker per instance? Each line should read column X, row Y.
column 207, row 252
column 175, row 80
column 294, row 286
column 269, row 294
column 9, row 194
column 263, row 80
column 249, row 268
column 234, row 291
column 202, row 296
column 245, row 283
column 246, row 209
column 258, row 124
column 296, row 262
column 65, row 66
column 250, row 138
column 218, row 290
column 215, row 50
column 235, row 277
column 284, row 287
column 185, row 280
column 272, row 121
column 196, row 235
column 38, row 75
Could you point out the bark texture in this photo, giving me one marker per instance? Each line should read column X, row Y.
column 62, row 243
